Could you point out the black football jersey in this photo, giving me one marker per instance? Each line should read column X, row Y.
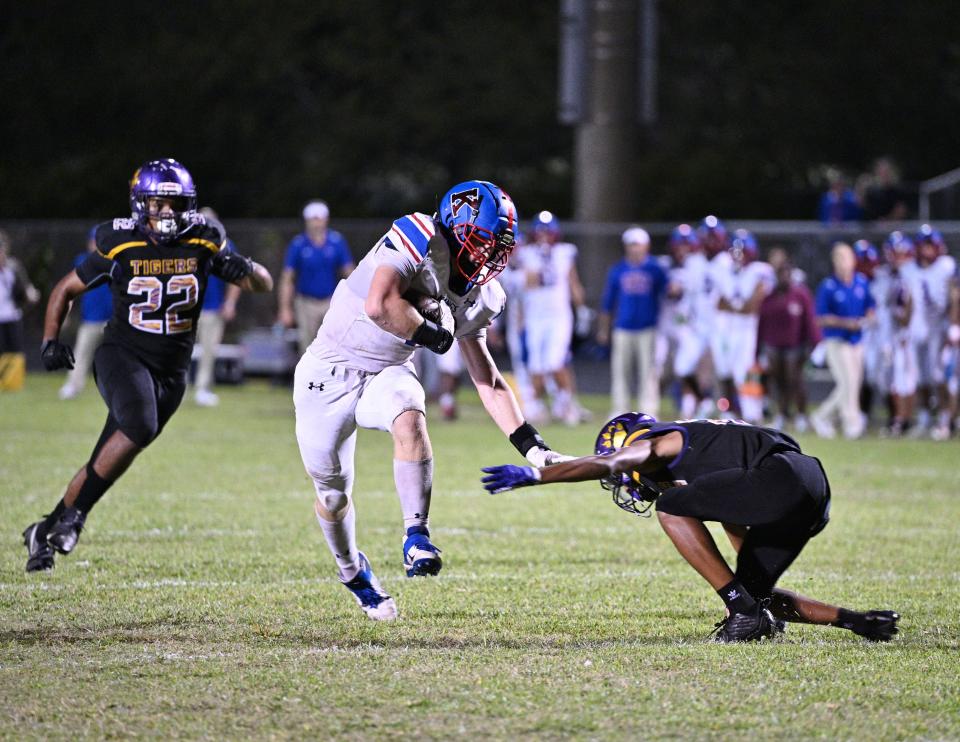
column 714, row 445
column 157, row 288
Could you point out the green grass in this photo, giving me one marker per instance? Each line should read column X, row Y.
column 202, row 601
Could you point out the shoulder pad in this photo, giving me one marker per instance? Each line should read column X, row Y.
column 116, row 232
column 494, row 297
column 209, row 230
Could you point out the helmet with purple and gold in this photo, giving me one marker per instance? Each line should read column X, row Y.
column 630, row 491
column 163, row 198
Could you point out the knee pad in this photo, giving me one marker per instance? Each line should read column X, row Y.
column 334, row 502
column 141, row 431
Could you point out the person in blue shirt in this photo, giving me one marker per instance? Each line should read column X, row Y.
column 96, row 306
column 631, row 303
column 839, row 202
column 219, row 307
column 316, row 260
column 844, row 304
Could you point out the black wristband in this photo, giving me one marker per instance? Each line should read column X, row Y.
column 526, row 437
column 433, row 336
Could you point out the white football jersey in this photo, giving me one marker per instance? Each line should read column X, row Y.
column 422, row 259
column 738, row 286
column 552, row 266
column 932, row 295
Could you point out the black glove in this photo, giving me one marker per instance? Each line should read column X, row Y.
column 55, row 354
column 232, row 266
column 433, row 336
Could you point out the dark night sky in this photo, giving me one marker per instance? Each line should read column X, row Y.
column 377, row 106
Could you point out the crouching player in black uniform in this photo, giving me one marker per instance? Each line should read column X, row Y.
column 157, row 265
column 769, row 496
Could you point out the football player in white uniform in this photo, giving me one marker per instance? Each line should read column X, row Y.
column 358, row 371
column 552, row 291
column 683, row 330
column 734, row 341
column 928, row 326
column 894, row 292
column 715, row 241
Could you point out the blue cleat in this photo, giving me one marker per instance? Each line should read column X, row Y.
column 370, row 596
column 420, row 557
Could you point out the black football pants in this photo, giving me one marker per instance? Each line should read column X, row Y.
column 139, row 401
column 784, row 501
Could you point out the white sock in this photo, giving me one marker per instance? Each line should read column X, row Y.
column 688, row 405
column 414, row 480
column 341, row 539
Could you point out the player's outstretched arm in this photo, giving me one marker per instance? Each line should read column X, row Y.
column 501, row 404
column 644, row 456
column 54, row 353
column 258, row 280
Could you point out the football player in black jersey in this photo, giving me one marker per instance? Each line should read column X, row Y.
column 157, row 265
column 770, row 497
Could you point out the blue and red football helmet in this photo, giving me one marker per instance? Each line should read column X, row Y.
column 930, row 244
column 545, row 228
column 713, row 236
column 868, row 258
column 683, row 240
column 898, row 245
column 630, row 490
column 166, row 179
column 479, row 222
column 744, row 247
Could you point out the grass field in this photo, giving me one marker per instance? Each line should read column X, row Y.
column 202, row 602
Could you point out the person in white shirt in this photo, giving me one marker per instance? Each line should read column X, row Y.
column 551, row 293
column 928, row 327
column 427, row 282
column 734, row 342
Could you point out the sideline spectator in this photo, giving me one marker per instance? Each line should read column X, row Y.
column 219, row 307
column 787, row 332
column 631, row 303
column 882, row 195
column 839, row 203
column 16, row 292
column 96, row 306
column 316, row 259
column 844, row 303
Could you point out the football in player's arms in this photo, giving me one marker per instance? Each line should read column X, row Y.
column 427, row 282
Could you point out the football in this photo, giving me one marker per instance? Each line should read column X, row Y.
column 431, row 308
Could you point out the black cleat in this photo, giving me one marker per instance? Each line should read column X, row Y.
column 65, row 533
column 39, row 552
column 754, row 626
column 878, row 626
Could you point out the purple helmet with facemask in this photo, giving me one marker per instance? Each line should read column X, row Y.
column 630, row 490
column 166, row 179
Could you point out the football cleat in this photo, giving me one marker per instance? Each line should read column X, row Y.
column 65, row 533
column 39, row 552
column 369, row 595
column 754, row 626
column 878, row 626
column 420, row 557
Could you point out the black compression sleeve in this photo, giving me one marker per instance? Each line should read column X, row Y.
column 526, row 437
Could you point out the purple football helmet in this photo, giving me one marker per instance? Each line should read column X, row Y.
column 166, row 179
column 631, row 491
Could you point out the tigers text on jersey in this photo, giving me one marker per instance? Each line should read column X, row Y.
column 422, row 258
column 157, row 289
column 711, row 446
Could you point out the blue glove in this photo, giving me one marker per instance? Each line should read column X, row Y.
column 509, row 477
